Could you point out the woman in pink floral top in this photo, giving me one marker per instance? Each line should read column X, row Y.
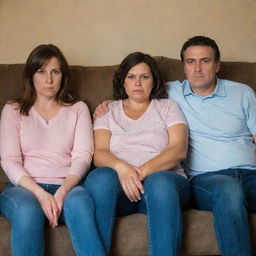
column 139, row 144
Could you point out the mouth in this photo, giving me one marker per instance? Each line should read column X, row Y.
column 137, row 91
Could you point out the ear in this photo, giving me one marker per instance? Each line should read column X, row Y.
column 217, row 66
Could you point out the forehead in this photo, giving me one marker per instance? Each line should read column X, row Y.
column 51, row 62
column 140, row 68
column 198, row 52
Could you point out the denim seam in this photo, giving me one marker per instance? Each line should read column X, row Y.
column 149, row 226
column 71, row 233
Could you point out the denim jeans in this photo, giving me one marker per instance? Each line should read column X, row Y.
column 27, row 233
column 166, row 193
column 229, row 194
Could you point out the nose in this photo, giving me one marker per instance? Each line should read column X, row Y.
column 48, row 78
column 198, row 66
column 138, row 81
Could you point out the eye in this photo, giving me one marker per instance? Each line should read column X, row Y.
column 145, row 77
column 206, row 60
column 40, row 71
column 130, row 76
column 189, row 61
column 56, row 72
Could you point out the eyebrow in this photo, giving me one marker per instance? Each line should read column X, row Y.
column 204, row 58
column 129, row 73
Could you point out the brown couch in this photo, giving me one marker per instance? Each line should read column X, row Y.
column 93, row 84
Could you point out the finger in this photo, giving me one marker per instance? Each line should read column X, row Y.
column 139, row 185
column 138, row 170
column 134, row 191
column 55, row 211
column 127, row 191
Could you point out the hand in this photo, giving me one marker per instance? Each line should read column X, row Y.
column 59, row 197
column 101, row 109
column 49, row 206
column 130, row 182
column 141, row 173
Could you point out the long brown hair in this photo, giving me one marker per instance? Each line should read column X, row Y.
column 37, row 58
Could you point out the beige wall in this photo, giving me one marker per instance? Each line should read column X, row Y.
column 102, row 32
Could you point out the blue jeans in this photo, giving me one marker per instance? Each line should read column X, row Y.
column 229, row 194
column 166, row 193
column 27, row 233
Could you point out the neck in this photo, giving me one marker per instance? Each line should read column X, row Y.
column 136, row 105
column 45, row 102
column 205, row 90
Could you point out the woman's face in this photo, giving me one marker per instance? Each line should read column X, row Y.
column 47, row 79
column 138, row 82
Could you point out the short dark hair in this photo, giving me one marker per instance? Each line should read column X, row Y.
column 37, row 58
column 159, row 88
column 201, row 41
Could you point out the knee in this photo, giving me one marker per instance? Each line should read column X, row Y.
column 230, row 193
column 29, row 214
column 78, row 198
column 101, row 180
column 163, row 183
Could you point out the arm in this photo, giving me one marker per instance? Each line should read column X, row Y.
column 70, row 181
column 46, row 200
column 128, row 177
column 254, row 138
column 83, row 146
column 12, row 163
column 81, row 153
column 101, row 109
column 11, row 155
column 172, row 156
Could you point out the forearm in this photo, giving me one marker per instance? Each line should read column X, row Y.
column 70, row 181
column 106, row 158
column 168, row 159
column 29, row 184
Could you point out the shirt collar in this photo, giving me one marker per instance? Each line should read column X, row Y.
column 219, row 90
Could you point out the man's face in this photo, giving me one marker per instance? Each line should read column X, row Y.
column 200, row 68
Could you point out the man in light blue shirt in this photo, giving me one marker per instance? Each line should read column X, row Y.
column 221, row 160
column 221, row 125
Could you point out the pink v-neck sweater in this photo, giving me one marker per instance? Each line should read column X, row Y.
column 46, row 150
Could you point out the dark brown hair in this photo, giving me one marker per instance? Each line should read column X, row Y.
column 201, row 41
column 158, row 90
column 37, row 58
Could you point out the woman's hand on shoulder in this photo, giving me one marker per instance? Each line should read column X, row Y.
column 101, row 109
column 130, row 182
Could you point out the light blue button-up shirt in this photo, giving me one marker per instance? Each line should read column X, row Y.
column 220, row 125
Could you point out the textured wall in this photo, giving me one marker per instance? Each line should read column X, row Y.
column 102, row 32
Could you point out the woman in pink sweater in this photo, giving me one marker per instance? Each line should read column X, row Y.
column 46, row 149
column 139, row 144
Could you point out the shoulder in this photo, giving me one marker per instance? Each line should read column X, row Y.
column 236, row 90
column 115, row 104
column 176, row 88
column 11, row 108
column 165, row 103
column 79, row 106
column 235, row 85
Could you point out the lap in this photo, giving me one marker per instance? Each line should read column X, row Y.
column 17, row 200
column 230, row 185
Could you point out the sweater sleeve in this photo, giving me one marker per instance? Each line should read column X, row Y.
column 83, row 142
column 10, row 146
